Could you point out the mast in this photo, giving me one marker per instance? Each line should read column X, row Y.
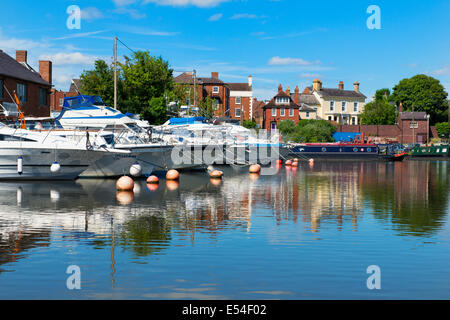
column 115, row 72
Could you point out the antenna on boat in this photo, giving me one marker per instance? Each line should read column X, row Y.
column 115, row 72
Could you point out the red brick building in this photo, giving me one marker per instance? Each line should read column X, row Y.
column 57, row 96
column 241, row 100
column 281, row 107
column 258, row 112
column 211, row 87
column 33, row 88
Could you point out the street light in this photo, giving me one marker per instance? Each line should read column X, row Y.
column 428, row 129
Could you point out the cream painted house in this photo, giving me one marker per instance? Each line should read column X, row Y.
column 338, row 105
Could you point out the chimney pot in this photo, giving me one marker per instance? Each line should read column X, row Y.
column 250, row 81
column 341, row 85
column 297, row 96
column 317, row 85
column 280, row 88
column 45, row 70
column 356, row 86
column 215, row 75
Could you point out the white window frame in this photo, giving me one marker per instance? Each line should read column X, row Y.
column 274, row 112
column 332, row 105
column 291, row 112
column 215, row 89
column 236, row 112
column 61, row 102
column 355, row 106
column 344, row 106
column 282, row 112
column 238, row 100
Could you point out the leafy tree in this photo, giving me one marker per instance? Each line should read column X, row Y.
column 147, row 83
column 443, row 129
column 100, row 82
column 287, row 129
column 249, row 124
column 307, row 131
column 425, row 94
column 379, row 111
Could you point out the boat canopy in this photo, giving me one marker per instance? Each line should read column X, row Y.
column 82, row 101
column 190, row 120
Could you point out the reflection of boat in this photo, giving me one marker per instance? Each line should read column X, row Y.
column 347, row 151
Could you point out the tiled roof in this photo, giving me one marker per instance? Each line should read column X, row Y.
column 415, row 115
column 327, row 92
column 306, row 98
column 305, row 107
column 239, row 87
column 187, row 78
column 281, row 94
column 76, row 87
column 9, row 67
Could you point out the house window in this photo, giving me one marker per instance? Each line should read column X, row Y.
column 238, row 100
column 215, row 90
column 344, row 105
column 215, row 104
column 282, row 100
column 274, row 112
column 1, row 89
column 238, row 112
column 22, row 92
column 353, row 120
column 331, row 105
column 61, row 102
column 307, row 114
column 355, row 106
column 330, row 118
column 42, row 97
column 282, row 112
column 291, row 112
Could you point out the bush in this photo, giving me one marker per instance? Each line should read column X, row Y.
column 308, row 131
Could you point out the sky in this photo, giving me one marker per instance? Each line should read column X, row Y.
column 284, row 42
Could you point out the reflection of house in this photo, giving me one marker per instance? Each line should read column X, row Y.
column 338, row 105
column 32, row 88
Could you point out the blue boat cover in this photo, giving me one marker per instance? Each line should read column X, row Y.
column 191, row 120
column 81, row 101
column 345, row 136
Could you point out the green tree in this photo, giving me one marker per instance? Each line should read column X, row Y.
column 443, row 129
column 379, row 111
column 100, row 82
column 249, row 124
column 287, row 128
column 307, row 131
column 147, row 83
column 425, row 94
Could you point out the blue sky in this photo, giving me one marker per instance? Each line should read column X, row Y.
column 276, row 41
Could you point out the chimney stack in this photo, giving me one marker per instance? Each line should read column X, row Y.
column 317, row 85
column 280, row 88
column 341, row 85
column 288, row 91
column 21, row 56
column 297, row 95
column 250, row 81
column 356, row 86
column 45, row 70
column 215, row 75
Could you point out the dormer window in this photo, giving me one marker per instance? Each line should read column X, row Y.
column 282, row 100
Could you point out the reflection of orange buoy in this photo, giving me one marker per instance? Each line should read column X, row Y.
column 125, row 184
column 255, row 168
column 296, row 160
column 152, row 180
column 172, row 185
column 152, row 186
column 254, row 176
column 288, row 163
column 172, row 175
column 215, row 181
column 216, row 174
column 124, row 197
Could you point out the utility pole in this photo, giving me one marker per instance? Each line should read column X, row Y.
column 413, row 126
column 115, row 72
column 195, row 88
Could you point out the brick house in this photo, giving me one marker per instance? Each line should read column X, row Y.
column 57, row 96
column 241, row 100
column 280, row 107
column 258, row 112
column 32, row 88
column 211, row 87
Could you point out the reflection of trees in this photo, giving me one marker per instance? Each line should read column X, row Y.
column 413, row 195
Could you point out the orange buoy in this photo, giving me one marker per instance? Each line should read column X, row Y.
column 172, row 175
column 152, row 180
column 125, row 183
column 124, row 197
column 255, row 168
column 288, row 163
column 216, row 174
column 172, row 185
column 296, row 160
column 295, row 164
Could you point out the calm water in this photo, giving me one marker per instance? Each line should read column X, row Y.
column 304, row 234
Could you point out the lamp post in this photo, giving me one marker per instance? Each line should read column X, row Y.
column 428, row 129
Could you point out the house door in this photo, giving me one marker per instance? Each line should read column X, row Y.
column 273, row 126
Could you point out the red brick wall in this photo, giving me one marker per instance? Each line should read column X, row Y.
column 224, row 94
column 268, row 119
column 31, row 107
column 55, row 96
column 244, row 106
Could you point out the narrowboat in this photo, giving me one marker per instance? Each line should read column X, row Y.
column 430, row 152
column 348, row 151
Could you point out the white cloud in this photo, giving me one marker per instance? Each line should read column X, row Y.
column 75, row 58
column 183, row 3
column 123, row 2
column 13, row 44
column 310, row 75
column 216, row 17
column 91, row 13
column 444, row 71
column 133, row 13
column 277, row 61
column 246, row 16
